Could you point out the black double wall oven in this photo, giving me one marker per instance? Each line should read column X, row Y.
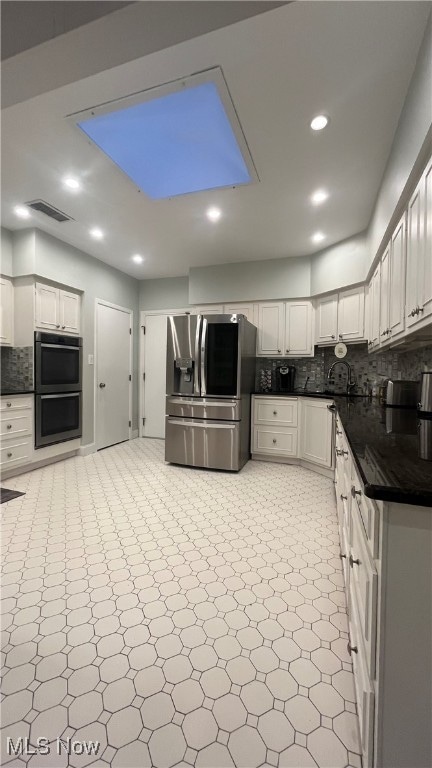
column 58, row 388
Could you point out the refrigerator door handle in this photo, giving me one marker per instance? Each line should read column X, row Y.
column 197, row 390
column 203, row 357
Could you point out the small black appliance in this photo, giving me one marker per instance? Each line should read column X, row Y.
column 285, row 378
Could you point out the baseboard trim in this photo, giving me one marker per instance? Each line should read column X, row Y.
column 295, row 462
column 86, row 450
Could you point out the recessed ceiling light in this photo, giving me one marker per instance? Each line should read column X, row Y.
column 320, row 196
column 137, row 258
column 319, row 122
column 318, row 237
column 71, row 183
column 214, row 214
column 96, row 233
column 22, row 212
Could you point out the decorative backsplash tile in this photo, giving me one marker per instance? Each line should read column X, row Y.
column 16, row 368
column 366, row 367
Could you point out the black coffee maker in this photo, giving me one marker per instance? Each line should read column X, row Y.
column 285, row 378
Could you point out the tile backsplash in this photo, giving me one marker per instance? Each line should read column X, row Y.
column 16, row 368
column 366, row 367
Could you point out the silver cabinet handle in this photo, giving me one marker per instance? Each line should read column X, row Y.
column 353, row 561
column 9, row 405
column 333, row 336
column 9, row 426
column 102, row 385
column 343, row 498
column 274, row 440
column 63, row 326
column 58, row 325
column 9, row 455
column 354, row 492
column 279, row 351
column 420, row 309
column 352, row 648
column 274, row 413
column 287, row 350
column 340, row 335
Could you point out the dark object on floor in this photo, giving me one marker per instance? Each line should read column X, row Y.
column 7, row 495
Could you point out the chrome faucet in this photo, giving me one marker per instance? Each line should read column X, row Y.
column 350, row 381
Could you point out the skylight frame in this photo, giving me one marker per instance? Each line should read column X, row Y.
column 212, row 75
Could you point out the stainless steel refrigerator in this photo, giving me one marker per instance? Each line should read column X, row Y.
column 210, row 377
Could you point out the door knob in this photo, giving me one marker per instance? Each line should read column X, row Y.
column 102, row 385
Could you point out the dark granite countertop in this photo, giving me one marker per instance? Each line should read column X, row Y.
column 385, row 446
column 10, row 391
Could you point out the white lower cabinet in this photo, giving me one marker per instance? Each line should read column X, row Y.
column 317, row 432
column 385, row 549
column 279, row 441
column 16, row 429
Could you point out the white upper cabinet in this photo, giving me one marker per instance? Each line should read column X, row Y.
column 6, row 311
column 270, row 329
column 240, row 309
column 396, row 309
column 326, row 319
column 384, row 299
column 47, row 307
column 69, row 312
column 209, row 309
column 340, row 317
column 418, row 304
column 374, row 309
column 351, row 315
column 57, row 310
column 298, row 329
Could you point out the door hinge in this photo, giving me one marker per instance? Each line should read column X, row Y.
column 130, row 423
column 130, row 331
column 130, row 377
column 143, row 376
column 143, row 327
column 143, row 421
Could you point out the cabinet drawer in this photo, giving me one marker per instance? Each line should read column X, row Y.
column 364, row 691
column 368, row 513
column 363, row 591
column 284, row 412
column 271, row 440
column 15, row 423
column 15, row 453
column 15, row 402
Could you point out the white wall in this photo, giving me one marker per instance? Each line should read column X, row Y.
column 412, row 139
column 340, row 265
column 164, row 293
column 249, row 280
column 6, row 253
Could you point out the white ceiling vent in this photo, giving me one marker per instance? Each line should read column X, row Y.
column 48, row 210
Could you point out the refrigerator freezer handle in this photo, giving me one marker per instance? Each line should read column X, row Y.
column 203, row 357
column 197, row 388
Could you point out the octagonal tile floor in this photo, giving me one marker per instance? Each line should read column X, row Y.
column 174, row 616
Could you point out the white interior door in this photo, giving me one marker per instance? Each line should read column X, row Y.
column 155, row 346
column 113, row 368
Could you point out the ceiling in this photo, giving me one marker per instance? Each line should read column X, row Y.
column 352, row 61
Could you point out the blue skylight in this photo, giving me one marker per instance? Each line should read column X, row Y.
column 173, row 145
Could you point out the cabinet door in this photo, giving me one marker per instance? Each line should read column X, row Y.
column 351, row 315
column 317, row 432
column 374, row 292
column 6, row 312
column 326, row 319
column 384, row 296
column 70, row 312
column 425, row 301
column 396, row 324
column 415, row 256
column 47, row 307
column 240, row 309
column 270, row 329
column 298, row 329
column 209, row 309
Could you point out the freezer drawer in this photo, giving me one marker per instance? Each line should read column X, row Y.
column 203, row 408
column 202, row 443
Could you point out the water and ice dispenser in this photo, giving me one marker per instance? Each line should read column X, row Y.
column 184, row 375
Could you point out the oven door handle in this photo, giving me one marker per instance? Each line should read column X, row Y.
column 56, row 397
column 60, row 346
